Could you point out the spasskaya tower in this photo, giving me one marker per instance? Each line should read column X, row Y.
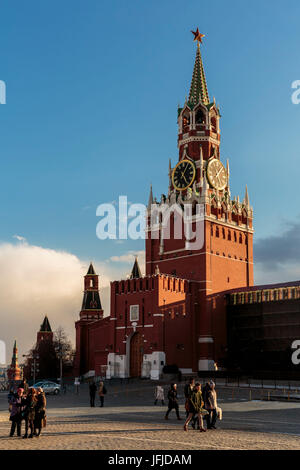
column 224, row 260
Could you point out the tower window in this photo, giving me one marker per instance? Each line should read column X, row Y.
column 91, row 282
column 213, row 124
column 200, row 118
column 217, row 232
column 229, row 235
column 185, row 121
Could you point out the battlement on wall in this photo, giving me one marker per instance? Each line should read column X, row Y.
column 264, row 295
column 149, row 284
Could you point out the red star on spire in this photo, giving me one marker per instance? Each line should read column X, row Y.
column 198, row 36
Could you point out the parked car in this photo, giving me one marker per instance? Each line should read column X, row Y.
column 39, row 384
column 48, row 387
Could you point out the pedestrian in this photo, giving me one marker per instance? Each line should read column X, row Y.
column 159, row 395
column 211, row 405
column 173, row 402
column 25, row 387
column 11, row 394
column 16, row 404
column 195, row 406
column 101, row 392
column 29, row 412
column 205, row 391
column 188, row 390
column 93, row 389
column 40, row 412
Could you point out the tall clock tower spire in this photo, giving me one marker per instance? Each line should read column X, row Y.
column 223, row 259
column 198, row 90
column 198, row 119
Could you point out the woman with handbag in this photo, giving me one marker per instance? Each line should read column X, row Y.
column 195, row 406
column 40, row 412
column 29, row 412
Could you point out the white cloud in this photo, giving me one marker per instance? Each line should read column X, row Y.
column 37, row 281
column 129, row 257
column 20, row 238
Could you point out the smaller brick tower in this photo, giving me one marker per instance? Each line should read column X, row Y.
column 45, row 333
column 14, row 371
column 91, row 305
column 91, row 312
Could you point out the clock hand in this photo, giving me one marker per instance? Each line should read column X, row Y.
column 182, row 174
column 185, row 169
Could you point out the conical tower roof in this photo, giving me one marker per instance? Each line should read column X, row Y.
column 91, row 270
column 136, row 272
column 45, row 326
column 198, row 90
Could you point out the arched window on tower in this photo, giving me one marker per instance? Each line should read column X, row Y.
column 235, row 217
column 91, row 282
column 244, row 217
column 214, row 124
column 200, row 117
column 229, row 235
column 224, row 211
column 217, row 232
column 185, row 121
column 223, row 233
column 214, row 208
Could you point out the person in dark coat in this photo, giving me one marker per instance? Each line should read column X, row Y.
column 40, row 412
column 188, row 390
column 173, row 402
column 16, row 406
column 93, row 389
column 29, row 412
column 196, row 407
column 25, row 387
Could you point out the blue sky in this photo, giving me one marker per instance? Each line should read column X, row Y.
column 92, row 95
column 91, row 114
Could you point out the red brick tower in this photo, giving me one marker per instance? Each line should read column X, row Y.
column 91, row 312
column 14, row 371
column 222, row 258
column 91, row 305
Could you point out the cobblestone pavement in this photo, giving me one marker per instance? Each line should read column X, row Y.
column 131, row 421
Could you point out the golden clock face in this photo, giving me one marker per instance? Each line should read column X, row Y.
column 216, row 174
column 183, row 175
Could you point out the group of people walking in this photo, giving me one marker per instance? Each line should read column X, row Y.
column 28, row 405
column 199, row 404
